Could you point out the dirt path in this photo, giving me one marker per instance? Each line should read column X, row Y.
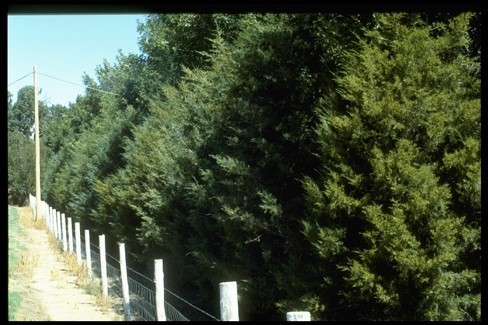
column 49, row 291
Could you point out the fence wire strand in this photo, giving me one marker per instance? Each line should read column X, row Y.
column 142, row 298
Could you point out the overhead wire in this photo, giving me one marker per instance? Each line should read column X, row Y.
column 103, row 91
column 49, row 76
column 20, row 79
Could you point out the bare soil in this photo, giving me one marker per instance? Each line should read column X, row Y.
column 49, row 291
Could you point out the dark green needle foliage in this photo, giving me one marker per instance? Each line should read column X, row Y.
column 325, row 162
column 395, row 216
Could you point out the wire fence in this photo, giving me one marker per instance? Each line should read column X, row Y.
column 142, row 297
column 141, row 289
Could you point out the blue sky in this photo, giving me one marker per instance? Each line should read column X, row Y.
column 65, row 46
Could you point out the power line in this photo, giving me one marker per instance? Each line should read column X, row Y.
column 49, row 76
column 103, row 91
column 20, row 79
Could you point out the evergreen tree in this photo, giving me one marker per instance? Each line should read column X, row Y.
column 211, row 179
column 63, row 138
column 21, row 146
column 9, row 101
column 132, row 81
column 54, row 126
column 21, row 167
column 170, row 42
column 251, row 113
column 138, row 200
column 21, row 114
column 395, row 215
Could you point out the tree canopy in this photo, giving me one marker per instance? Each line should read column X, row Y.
column 389, row 214
column 325, row 162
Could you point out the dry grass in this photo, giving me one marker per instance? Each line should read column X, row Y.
column 54, row 244
column 55, row 274
column 91, row 285
column 102, row 301
column 27, row 264
column 79, row 271
column 26, row 219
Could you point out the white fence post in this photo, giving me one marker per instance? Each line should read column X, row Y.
column 34, row 210
column 299, row 316
column 50, row 219
column 125, row 284
column 55, row 219
column 70, row 236
column 44, row 210
column 78, row 242
column 228, row 301
column 47, row 217
column 103, row 265
column 63, row 223
column 159, row 279
column 55, row 225
column 88, row 252
column 51, row 222
column 58, row 215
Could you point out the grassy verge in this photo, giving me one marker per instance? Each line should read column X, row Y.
column 23, row 263
column 20, row 262
column 15, row 249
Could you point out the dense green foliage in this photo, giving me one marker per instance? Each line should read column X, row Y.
column 20, row 115
column 20, row 144
column 325, row 162
column 395, row 215
column 20, row 168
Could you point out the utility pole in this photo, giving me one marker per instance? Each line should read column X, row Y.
column 38, row 164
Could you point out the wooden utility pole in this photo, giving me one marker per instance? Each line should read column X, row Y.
column 38, row 163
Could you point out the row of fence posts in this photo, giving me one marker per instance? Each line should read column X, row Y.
column 62, row 230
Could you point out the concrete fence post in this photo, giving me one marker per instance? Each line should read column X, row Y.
column 88, row 253
column 34, row 209
column 70, row 235
column 58, row 216
column 55, row 224
column 228, row 301
column 103, row 265
column 125, row 284
column 51, row 219
column 78, row 242
column 44, row 210
column 63, row 224
column 299, row 316
column 159, row 280
column 47, row 217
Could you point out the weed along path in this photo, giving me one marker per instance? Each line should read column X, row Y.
column 45, row 279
